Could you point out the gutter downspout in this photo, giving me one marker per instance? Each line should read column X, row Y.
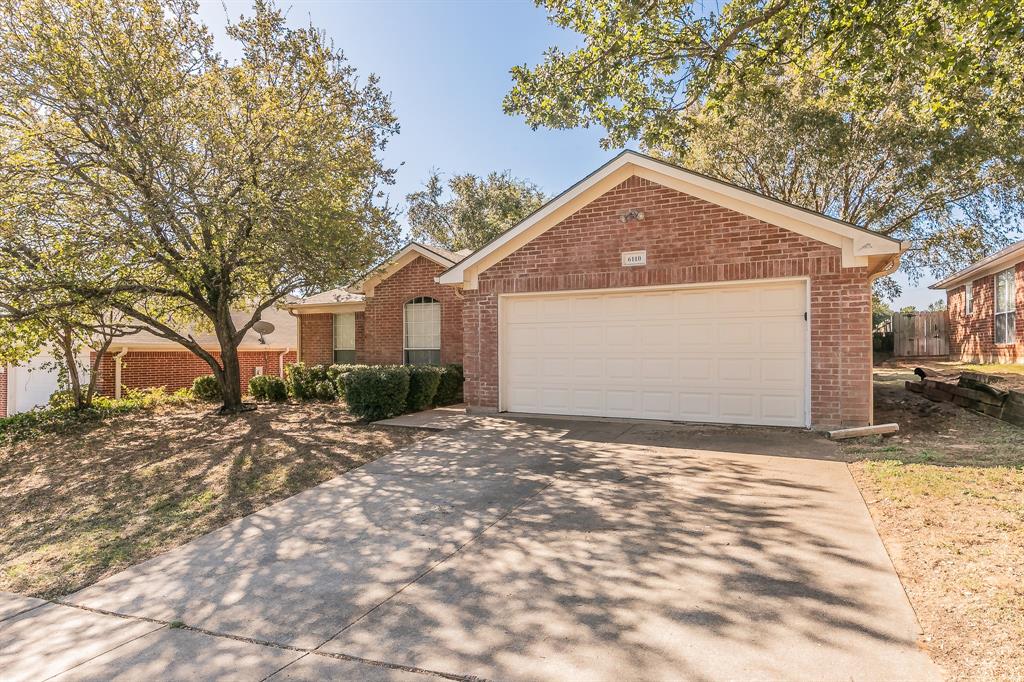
column 298, row 338
column 117, row 371
column 280, row 362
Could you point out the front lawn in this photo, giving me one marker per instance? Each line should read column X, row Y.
column 947, row 496
column 81, row 505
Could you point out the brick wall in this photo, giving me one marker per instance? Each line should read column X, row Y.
column 3, row 390
column 316, row 338
column 687, row 241
column 384, row 335
column 177, row 369
column 972, row 337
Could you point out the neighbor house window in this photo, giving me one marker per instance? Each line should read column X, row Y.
column 1006, row 307
column 969, row 307
column 423, row 331
column 345, row 338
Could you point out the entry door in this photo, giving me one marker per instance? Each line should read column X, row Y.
column 731, row 354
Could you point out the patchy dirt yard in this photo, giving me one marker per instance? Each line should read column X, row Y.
column 81, row 506
column 947, row 496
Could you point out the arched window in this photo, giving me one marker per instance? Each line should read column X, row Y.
column 423, row 331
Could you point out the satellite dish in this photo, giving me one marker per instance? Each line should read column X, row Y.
column 263, row 327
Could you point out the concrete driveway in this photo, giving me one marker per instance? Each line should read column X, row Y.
column 519, row 550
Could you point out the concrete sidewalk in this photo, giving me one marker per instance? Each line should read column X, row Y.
column 520, row 550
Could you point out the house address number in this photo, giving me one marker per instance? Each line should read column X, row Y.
column 632, row 259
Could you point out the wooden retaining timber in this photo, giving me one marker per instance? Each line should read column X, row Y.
column 974, row 391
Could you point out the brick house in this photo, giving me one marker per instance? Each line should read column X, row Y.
column 982, row 301
column 143, row 360
column 643, row 291
column 396, row 314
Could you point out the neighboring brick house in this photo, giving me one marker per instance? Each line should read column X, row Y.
column 397, row 314
column 649, row 291
column 146, row 361
column 982, row 301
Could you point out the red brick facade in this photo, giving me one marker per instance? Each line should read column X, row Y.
column 384, row 336
column 687, row 241
column 972, row 337
column 177, row 369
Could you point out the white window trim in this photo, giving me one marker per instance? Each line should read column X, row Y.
column 969, row 296
column 1011, row 311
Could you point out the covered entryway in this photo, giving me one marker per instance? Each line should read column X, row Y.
column 733, row 354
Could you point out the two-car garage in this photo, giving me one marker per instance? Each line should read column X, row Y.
column 732, row 354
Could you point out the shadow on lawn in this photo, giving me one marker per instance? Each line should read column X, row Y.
column 584, row 558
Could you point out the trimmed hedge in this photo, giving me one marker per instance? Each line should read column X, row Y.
column 206, row 388
column 449, row 391
column 337, row 373
column 423, row 383
column 374, row 393
column 305, row 382
column 268, row 387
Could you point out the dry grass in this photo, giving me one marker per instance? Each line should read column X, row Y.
column 947, row 495
column 80, row 506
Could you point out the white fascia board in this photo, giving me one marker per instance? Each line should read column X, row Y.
column 997, row 262
column 395, row 263
column 857, row 245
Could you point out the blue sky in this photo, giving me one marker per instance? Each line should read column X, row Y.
column 446, row 65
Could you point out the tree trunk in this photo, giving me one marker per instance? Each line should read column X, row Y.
column 67, row 352
column 230, row 380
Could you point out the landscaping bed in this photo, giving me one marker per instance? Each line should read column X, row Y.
column 947, row 496
column 87, row 502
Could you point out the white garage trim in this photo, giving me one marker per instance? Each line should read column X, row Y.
column 504, row 348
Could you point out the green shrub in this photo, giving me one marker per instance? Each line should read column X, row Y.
column 61, row 400
column 258, row 387
column 303, row 379
column 206, row 388
column 338, row 374
column 374, row 393
column 326, row 391
column 423, row 382
column 277, row 390
column 268, row 387
column 449, row 391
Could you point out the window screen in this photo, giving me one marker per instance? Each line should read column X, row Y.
column 423, row 331
column 345, row 338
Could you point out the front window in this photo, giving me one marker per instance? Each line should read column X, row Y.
column 1006, row 307
column 345, row 338
column 969, row 307
column 423, row 331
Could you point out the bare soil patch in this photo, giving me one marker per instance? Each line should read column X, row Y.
column 947, row 496
column 79, row 506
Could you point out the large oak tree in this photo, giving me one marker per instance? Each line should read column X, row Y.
column 188, row 185
column 907, row 117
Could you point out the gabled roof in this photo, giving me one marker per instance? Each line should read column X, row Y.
column 396, row 261
column 860, row 247
column 1000, row 260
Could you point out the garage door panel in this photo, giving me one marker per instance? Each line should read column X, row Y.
column 697, row 406
column 695, row 303
column 622, row 403
column 620, row 336
column 780, row 407
column 731, row 354
column 621, row 368
column 588, row 368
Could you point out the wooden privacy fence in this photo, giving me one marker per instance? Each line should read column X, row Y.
column 920, row 334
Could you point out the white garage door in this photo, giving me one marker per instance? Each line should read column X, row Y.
column 731, row 354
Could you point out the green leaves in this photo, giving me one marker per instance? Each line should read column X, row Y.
column 477, row 210
column 905, row 117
